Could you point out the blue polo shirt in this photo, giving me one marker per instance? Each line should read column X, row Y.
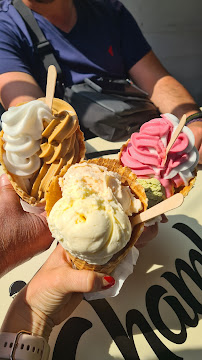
column 106, row 41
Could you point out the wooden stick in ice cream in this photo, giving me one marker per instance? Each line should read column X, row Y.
column 50, row 85
column 169, row 204
column 50, row 91
column 175, row 135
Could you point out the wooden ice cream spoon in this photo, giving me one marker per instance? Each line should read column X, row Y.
column 50, row 85
column 169, row 204
column 175, row 135
column 50, row 91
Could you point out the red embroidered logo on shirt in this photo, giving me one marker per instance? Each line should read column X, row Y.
column 110, row 51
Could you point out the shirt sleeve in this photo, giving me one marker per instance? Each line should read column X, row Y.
column 14, row 47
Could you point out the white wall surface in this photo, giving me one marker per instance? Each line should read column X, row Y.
column 174, row 30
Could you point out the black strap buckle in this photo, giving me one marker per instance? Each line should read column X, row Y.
column 44, row 47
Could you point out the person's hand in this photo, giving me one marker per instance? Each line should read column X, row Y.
column 23, row 234
column 149, row 233
column 196, row 128
column 51, row 296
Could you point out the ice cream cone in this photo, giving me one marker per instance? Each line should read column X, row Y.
column 184, row 190
column 127, row 178
column 163, row 149
column 62, row 144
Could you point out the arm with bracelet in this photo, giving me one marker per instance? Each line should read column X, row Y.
column 168, row 95
column 196, row 117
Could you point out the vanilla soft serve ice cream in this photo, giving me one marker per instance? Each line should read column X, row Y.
column 22, row 132
column 23, row 127
column 91, row 220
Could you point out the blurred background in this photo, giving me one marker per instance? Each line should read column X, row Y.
column 174, row 30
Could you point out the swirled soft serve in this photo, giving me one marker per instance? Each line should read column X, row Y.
column 22, row 132
column 36, row 142
column 145, row 152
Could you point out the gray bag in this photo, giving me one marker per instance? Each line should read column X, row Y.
column 111, row 115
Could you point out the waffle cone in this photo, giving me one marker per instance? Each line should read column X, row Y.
column 42, row 178
column 184, row 190
column 127, row 178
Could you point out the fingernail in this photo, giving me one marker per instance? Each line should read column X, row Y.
column 108, row 281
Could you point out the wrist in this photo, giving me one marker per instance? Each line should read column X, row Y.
column 23, row 346
column 41, row 325
column 21, row 316
column 10, row 254
column 196, row 117
column 194, row 122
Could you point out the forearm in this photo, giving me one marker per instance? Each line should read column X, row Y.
column 15, row 247
column 18, row 87
column 20, row 316
column 166, row 92
column 9, row 254
column 23, row 234
column 170, row 96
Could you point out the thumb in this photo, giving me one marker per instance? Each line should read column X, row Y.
column 73, row 280
column 87, row 281
column 7, row 192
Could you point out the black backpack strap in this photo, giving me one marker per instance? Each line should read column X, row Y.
column 42, row 46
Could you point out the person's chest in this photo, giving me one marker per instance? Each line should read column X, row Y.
column 91, row 48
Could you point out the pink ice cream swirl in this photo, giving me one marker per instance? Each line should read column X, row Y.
column 146, row 150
